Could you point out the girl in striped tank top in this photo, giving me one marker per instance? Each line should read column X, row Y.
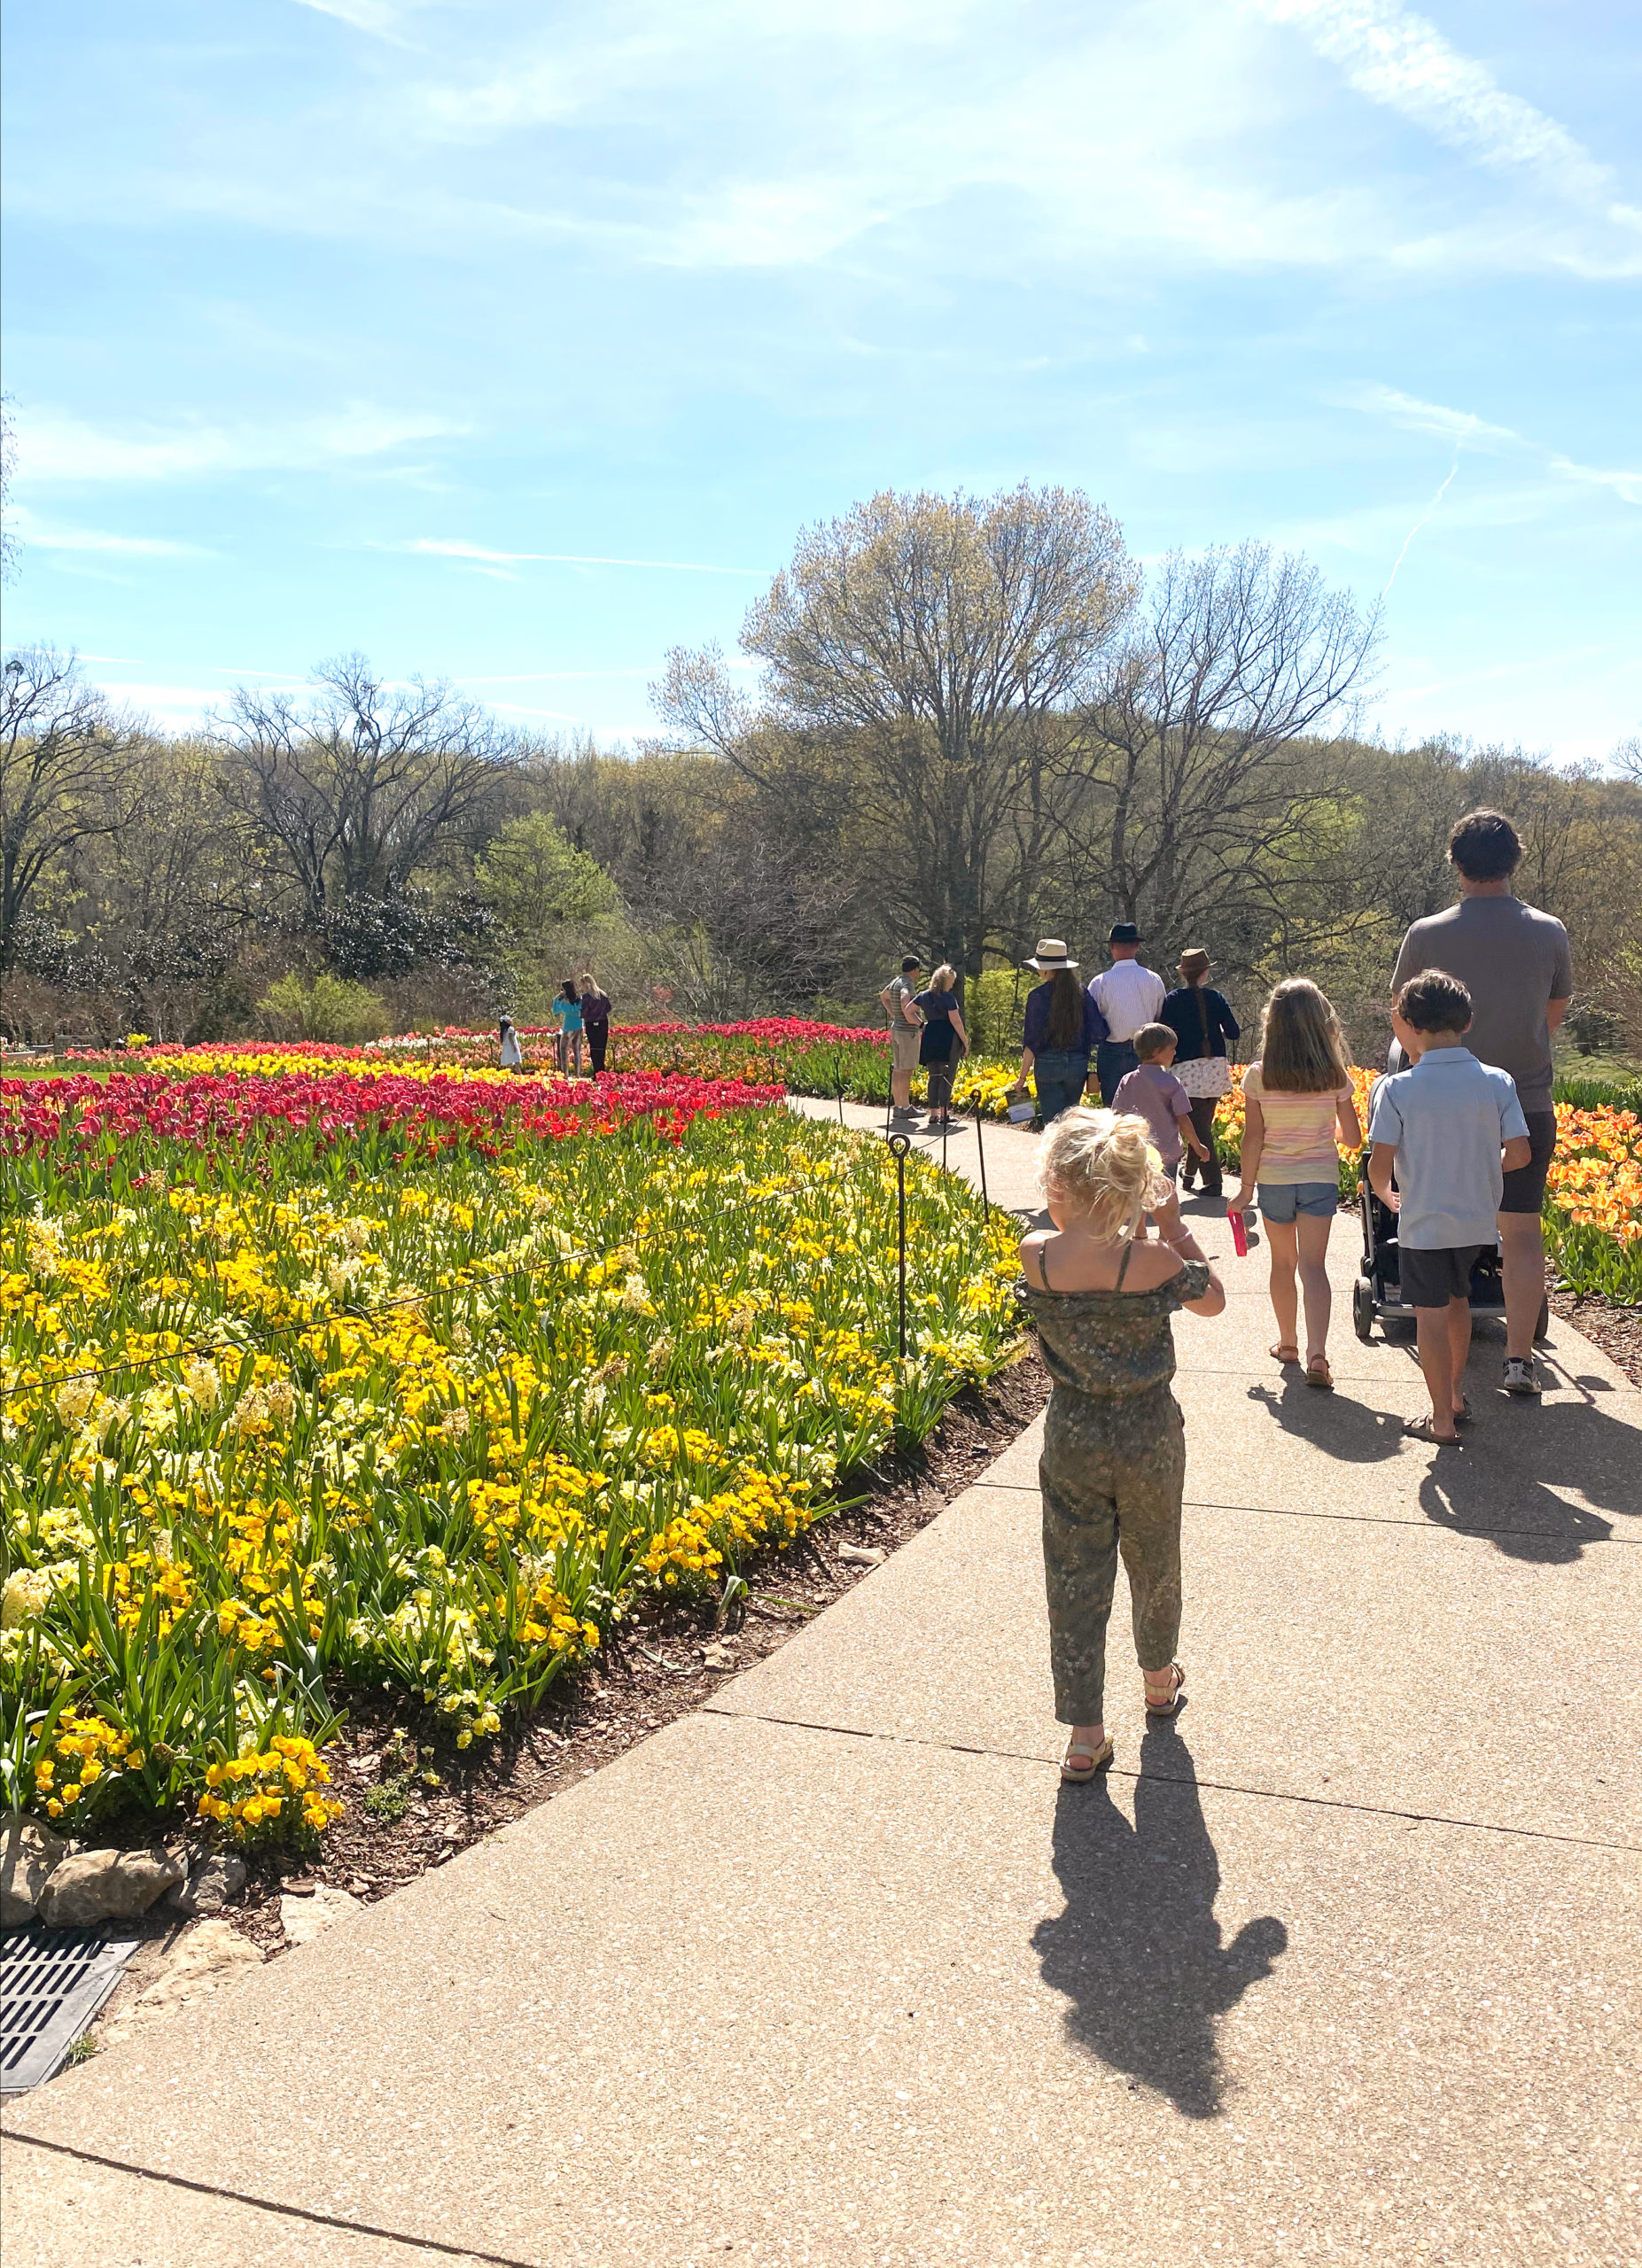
column 1296, row 1099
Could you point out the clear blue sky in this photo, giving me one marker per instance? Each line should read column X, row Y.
column 370, row 322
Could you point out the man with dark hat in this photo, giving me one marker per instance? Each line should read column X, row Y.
column 1128, row 996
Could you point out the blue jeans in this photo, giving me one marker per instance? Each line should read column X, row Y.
column 1060, row 1077
column 1114, row 1060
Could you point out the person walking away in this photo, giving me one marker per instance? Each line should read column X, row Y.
column 1294, row 1099
column 1102, row 1293
column 567, row 1008
column 940, row 1042
column 512, row 1053
column 1515, row 962
column 595, row 1021
column 1128, row 996
column 1451, row 1128
column 1060, row 1031
column 1204, row 1027
column 900, row 997
column 1151, row 1091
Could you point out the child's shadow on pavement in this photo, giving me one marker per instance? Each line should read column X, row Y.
column 1137, row 1951
column 1337, row 1423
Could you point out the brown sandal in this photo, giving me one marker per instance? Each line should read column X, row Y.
column 1319, row 1374
column 1424, row 1429
column 1177, row 1692
column 1098, row 1758
column 1284, row 1355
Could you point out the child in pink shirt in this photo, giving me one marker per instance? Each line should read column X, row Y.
column 1154, row 1094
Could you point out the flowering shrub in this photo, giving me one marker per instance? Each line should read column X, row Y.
column 253, row 1790
column 289, row 1409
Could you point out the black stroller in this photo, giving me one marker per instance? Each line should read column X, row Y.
column 1377, row 1295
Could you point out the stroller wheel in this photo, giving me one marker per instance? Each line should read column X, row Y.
column 1363, row 1309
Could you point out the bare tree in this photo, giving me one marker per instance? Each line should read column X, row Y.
column 1202, row 754
column 941, row 642
column 64, row 766
column 359, row 785
column 8, row 459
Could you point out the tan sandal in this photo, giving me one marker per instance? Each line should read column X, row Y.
column 1282, row 1354
column 1096, row 1759
column 1319, row 1375
column 1176, row 1691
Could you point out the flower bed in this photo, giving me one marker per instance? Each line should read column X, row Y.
column 1593, row 1202
column 290, row 1409
column 208, row 1098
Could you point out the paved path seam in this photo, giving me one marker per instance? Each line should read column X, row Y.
column 1354, row 1519
column 1169, row 1778
column 424, row 2244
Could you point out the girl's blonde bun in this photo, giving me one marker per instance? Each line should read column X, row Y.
column 1104, row 1168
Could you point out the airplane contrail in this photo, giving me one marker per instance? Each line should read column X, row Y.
column 1424, row 518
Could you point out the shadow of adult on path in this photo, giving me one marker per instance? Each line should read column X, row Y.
column 1504, row 1485
column 1137, row 1951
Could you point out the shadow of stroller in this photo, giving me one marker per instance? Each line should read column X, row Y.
column 1137, row 1951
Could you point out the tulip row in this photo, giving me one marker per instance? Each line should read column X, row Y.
column 295, row 1407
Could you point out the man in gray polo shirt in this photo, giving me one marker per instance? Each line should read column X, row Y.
column 1515, row 962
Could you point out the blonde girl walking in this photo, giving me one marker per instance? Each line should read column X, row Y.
column 1296, row 1099
column 1101, row 1292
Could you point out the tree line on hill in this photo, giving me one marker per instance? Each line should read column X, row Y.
column 976, row 722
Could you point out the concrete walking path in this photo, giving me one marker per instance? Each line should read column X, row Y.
column 1343, row 1965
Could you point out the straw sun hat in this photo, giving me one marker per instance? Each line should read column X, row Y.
column 1051, row 954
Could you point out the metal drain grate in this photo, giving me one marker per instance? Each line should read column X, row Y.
column 53, row 1983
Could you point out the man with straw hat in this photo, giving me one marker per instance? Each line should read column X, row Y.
column 1060, row 1032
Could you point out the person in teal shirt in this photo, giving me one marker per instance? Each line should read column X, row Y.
column 567, row 1008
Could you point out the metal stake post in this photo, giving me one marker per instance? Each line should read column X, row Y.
column 980, row 1151
column 898, row 1147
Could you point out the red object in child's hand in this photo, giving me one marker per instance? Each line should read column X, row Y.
column 1240, row 1231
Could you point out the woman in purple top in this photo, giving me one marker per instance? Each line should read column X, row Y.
column 1061, row 1031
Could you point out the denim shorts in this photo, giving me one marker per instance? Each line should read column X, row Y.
column 1281, row 1201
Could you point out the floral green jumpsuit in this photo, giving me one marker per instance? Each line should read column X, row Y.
column 1112, row 1473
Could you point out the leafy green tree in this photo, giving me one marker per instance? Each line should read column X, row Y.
column 538, row 881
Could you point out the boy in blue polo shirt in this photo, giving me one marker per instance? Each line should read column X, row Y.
column 1452, row 1126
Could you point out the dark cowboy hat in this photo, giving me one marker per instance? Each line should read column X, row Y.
column 1125, row 933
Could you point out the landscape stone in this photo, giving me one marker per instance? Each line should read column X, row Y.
column 210, row 1955
column 107, row 1885
column 210, row 1884
column 309, row 1915
column 28, row 1855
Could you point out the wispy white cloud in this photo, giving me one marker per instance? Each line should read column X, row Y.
column 1397, row 57
column 437, row 548
column 56, row 450
column 47, row 535
column 378, row 16
column 1460, row 427
column 1627, row 486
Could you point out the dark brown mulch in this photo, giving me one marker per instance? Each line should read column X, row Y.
column 657, row 1666
column 1614, row 1327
